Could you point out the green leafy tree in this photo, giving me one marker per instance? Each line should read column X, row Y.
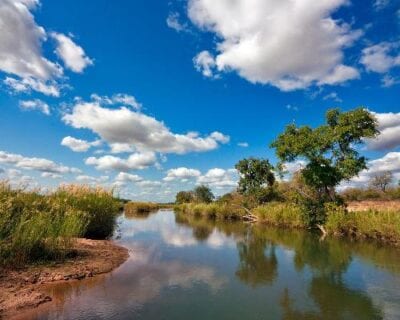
column 256, row 178
column 184, row 197
column 203, row 194
column 330, row 152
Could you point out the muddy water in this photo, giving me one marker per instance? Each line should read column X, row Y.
column 183, row 268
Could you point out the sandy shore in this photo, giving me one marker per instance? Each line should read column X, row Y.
column 22, row 289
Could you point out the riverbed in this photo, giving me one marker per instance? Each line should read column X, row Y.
column 184, row 267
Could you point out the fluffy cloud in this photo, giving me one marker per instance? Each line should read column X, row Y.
column 388, row 81
column 21, row 39
column 181, row 174
column 389, row 127
column 50, row 88
column 136, row 161
column 381, row 57
column 389, row 162
column 138, row 130
column 219, row 178
column 127, row 177
column 121, row 148
column 38, row 164
column 35, row 105
column 204, row 62
column 79, row 145
column 70, row 53
column 288, row 44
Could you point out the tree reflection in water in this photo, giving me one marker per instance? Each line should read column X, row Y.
column 327, row 260
column 258, row 263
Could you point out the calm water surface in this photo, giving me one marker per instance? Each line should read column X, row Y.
column 183, row 268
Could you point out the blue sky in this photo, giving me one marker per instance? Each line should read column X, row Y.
column 152, row 97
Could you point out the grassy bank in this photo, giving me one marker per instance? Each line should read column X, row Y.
column 214, row 210
column 37, row 227
column 382, row 225
column 280, row 214
column 140, row 208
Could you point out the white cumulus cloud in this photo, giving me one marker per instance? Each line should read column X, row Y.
column 389, row 127
column 381, row 57
column 219, row 178
column 144, row 133
column 20, row 42
column 287, row 44
column 38, row 164
column 181, row 173
column 79, row 145
column 35, row 104
column 70, row 53
column 136, row 161
column 389, row 162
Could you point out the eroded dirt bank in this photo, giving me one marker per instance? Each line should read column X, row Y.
column 23, row 289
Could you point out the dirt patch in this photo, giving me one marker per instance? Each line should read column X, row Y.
column 23, row 289
column 380, row 205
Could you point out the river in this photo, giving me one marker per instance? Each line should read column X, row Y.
column 189, row 268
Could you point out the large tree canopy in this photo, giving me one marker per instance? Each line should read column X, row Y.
column 255, row 176
column 203, row 194
column 330, row 149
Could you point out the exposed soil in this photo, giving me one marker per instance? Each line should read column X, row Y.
column 365, row 205
column 23, row 289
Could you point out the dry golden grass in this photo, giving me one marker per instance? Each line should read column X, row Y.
column 379, row 205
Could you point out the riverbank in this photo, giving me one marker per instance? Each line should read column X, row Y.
column 23, row 288
column 373, row 220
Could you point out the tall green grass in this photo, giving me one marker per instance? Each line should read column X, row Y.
column 98, row 203
column 383, row 225
column 213, row 210
column 280, row 214
column 38, row 227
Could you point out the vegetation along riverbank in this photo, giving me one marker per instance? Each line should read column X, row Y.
column 308, row 197
column 42, row 240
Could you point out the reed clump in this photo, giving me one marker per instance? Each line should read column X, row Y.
column 35, row 227
column 140, row 208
